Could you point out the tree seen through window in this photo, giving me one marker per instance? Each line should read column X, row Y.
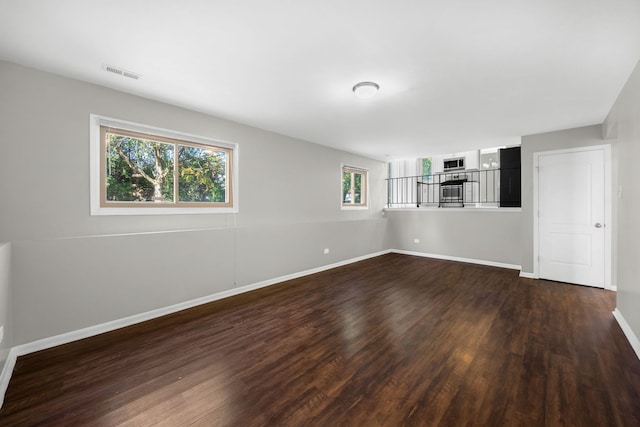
column 157, row 170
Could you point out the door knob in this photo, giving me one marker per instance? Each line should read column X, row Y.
column 598, row 225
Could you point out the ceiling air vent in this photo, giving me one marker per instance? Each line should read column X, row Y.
column 121, row 72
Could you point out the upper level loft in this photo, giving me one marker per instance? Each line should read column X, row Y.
column 493, row 180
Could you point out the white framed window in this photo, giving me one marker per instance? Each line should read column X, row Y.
column 141, row 170
column 355, row 188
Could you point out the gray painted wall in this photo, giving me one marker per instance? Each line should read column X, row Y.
column 489, row 235
column 571, row 138
column 5, row 302
column 623, row 124
column 71, row 270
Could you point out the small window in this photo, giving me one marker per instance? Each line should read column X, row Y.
column 354, row 187
column 144, row 172
column 426, row 166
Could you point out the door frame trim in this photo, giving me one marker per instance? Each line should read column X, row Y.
column 606, row 148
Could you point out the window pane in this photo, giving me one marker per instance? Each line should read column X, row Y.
column 346, row 187
column 354, row 187
column 138, row 170
column 202, row 174
column 426, row 166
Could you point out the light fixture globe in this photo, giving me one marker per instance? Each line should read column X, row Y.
column 366, row 89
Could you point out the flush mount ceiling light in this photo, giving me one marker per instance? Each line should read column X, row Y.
column 366, row 89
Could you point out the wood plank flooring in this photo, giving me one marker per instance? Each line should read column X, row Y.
column 393, row 340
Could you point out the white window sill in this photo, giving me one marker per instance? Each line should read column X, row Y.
column 354, row 208
column 161, row 211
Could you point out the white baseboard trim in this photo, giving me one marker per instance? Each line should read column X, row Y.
column 534, row 276
column 628, row 332
column 453, row 258
column 65, row 338
column 7, row 370
column 528, row 275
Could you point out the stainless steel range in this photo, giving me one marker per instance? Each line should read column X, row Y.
column 452, row 193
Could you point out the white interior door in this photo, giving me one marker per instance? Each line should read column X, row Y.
column 571, row 213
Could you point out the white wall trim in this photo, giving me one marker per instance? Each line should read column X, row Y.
column 628, row 332
column 459, row 259
column 528, row 275
column 7, row 370
column 533, row 276
column 67, row 337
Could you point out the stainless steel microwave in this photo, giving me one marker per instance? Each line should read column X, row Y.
column 454, row 164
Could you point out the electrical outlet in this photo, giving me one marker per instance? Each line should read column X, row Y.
column 1, row 333
column 416, row 240
column 326, row 251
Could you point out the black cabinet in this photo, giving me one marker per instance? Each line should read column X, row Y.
column 510, row 178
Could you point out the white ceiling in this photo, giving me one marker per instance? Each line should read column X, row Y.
column 454, row 74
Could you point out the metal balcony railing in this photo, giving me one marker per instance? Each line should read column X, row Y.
column 472, row 187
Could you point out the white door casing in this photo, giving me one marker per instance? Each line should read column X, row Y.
column 572, row 215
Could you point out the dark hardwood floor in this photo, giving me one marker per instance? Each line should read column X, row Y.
column 393, row 340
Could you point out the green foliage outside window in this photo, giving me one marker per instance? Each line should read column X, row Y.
column 346, row 187
column 143, row 170
column 139, row 170
column 353, row 187
column 426, row 166
column 202, row 174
